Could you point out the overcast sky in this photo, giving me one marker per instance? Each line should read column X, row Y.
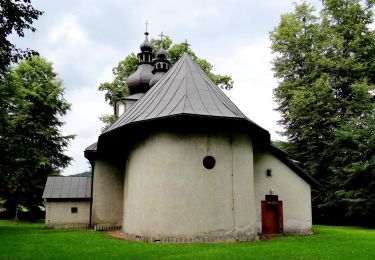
column 85, row 39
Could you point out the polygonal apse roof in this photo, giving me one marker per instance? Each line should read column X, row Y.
column 184, row 90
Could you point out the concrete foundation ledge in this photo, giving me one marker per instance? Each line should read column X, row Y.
column 68, row 226
column 194, row 239
column 298, row 232
column 106, row 227
column 210, row 237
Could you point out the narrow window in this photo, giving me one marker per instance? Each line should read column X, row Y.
column 268, row 173
column 74, row 210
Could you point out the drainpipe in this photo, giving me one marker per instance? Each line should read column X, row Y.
column 92, row 191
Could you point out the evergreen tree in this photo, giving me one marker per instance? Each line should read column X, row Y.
column 325, row 66
column 353, row 166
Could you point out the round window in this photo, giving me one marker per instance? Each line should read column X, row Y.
column 209, row 162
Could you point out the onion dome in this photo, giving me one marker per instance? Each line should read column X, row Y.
column 146, row 45
column 161, row 65
column 138, row 82
column 162, row 54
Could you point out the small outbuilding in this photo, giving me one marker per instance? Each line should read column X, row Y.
column 67, row 202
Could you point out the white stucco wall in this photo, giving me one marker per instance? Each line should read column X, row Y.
column 169, row 194
column 59, row 213
column 107, row 193
column 293, row 191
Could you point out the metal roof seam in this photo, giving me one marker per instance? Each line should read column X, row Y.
column 213, row 99
column 121, row 120
column 159, row 101
column 228, row 103
column 185, row 95
column 70, row 186
column 219, row 93
column 147, row 98
column 170, row 100
column 191, row 106
column 150, row 102
column 177, row 106
column 65, row 187
column 196, row 88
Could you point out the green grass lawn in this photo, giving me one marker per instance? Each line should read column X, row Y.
column 32, row 241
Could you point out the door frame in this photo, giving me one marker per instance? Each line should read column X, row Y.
column 279, row 205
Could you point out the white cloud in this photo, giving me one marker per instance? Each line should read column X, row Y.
column 85, row 63
column 250, row 68
column 87, row 105
column 81, row 40
column 73, row 52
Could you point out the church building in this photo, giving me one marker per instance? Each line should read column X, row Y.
column 183, row 164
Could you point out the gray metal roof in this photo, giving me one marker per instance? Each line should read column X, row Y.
column 134, row 96
column 92, row 147
column 67, row 188
column 184, row 90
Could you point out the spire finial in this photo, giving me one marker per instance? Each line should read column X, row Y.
column 186, row 44
column 146, row 23
column 161, row 38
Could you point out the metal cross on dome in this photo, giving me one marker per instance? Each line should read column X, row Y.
column 146, row 23
column 162, row 36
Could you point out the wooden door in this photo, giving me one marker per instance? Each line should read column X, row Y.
column 272, row 222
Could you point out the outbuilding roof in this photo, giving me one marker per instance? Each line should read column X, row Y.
column 65, row 187
column 184, row 90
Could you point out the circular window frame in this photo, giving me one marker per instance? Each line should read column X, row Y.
column 209, row 162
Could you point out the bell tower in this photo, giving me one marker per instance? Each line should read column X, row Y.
column 138, row 82
column 161, row 63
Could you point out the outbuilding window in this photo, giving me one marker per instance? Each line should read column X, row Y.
column 74, row 210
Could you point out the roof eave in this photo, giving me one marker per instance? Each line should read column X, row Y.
column 185, row 115
column 282, row 156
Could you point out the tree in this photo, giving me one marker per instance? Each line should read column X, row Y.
column 83, row 174
column 118, row 88
column 16, row 16
column 353, row 167
column 32, row 143
column 325, row 66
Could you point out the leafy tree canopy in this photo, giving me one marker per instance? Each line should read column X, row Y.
column 82, row 174
column 31, row 144
column 15, row 16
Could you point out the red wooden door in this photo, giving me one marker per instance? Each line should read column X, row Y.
column 272, row 222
